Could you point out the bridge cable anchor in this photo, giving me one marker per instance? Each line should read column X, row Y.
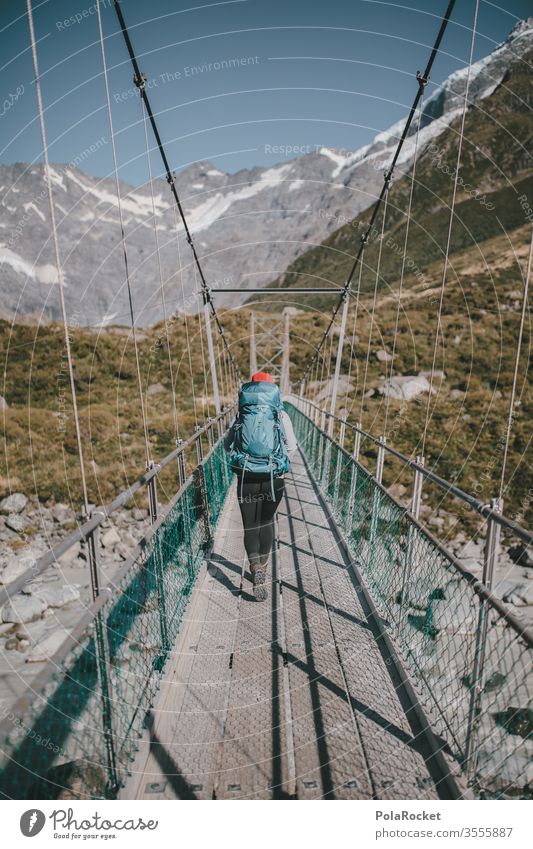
column 140, row 81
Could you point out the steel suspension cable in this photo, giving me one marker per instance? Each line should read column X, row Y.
column 450, row 227
column 59, row 268
column 422, row 79
column 123, row 234
column 516, row 364
column 404, row 262
column 206, row 404
column 160, row 269
column 185, row 319
column 357, row 296
column 374, row 301
column 139, row 80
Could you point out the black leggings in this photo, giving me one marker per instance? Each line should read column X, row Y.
column 257, row 511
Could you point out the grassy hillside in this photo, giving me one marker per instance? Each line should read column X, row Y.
column 40, row 446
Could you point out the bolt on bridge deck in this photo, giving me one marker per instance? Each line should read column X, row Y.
column 295, row 697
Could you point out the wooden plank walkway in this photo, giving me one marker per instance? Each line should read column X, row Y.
column 289, row 698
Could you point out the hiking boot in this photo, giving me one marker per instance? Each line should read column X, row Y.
column 260, row 591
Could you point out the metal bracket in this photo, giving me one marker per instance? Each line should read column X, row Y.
column 140, row 82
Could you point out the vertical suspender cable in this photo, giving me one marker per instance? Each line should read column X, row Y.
column 185, row 319
column 517, row 361
column 374, row 299
column 60, row 278
column 450, row 226
column 354, row 327
column 123, row 235
column 422, row 79
column 206, row 404
column 161, row 282
column 138, row 78
column 402, row 273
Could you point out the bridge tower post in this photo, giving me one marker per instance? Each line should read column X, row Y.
column 338, row 362
column 285, row 362
column 253, row 349
column 212, row 361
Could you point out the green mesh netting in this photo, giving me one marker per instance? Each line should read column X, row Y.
column 75, row 736
column 435, row 618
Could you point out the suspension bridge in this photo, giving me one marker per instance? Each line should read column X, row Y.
column 379, row 668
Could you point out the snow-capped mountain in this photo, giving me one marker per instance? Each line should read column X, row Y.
column 248, row 227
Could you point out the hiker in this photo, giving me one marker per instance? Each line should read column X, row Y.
column 259, row 442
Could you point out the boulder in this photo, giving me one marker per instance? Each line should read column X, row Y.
column 3, row 403
column 383, row 356
column 70, row 555
column 155, row 389
column 13, row 503
column 139, row 514
column 59, row 597
column 522, row 555
column 16, row 566
column 47, row 647
column 471, row 556
column 397, row 491
column 110, row 538
column 62, row 513
column 23, row 608
column 123, row 551
column 438, row 374
column 404, row 388
column 345, row 386
column 514, row 592
column 16, row 522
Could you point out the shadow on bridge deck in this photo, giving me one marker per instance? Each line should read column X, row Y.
column 296, row 697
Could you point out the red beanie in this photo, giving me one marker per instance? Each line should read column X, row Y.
column 262, row 376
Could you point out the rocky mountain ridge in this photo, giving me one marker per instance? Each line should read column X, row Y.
column 248, row 226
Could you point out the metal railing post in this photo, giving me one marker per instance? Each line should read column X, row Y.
column 353, row 478
column 103, row 666
column 380, row 459
column 181, row 463
column 322, row 446
column 209, row 432
column 338, row 362
column 159, row 570
column 477, row 681
column 199, row 482
column 376, row 497
column 416, row 501
column 357, row 442
column 212, row 361
column 418, row 480
column 342, row 435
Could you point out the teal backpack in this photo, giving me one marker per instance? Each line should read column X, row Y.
column 259, row 442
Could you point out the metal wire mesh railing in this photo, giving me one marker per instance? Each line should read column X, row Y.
column 469, row 656
column 75, row 731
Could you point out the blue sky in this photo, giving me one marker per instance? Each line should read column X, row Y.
column 239, row 83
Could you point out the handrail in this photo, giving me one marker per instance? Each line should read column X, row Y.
column 82, row 628
column 483, row 509
column 481, row 589
column 100, row 514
